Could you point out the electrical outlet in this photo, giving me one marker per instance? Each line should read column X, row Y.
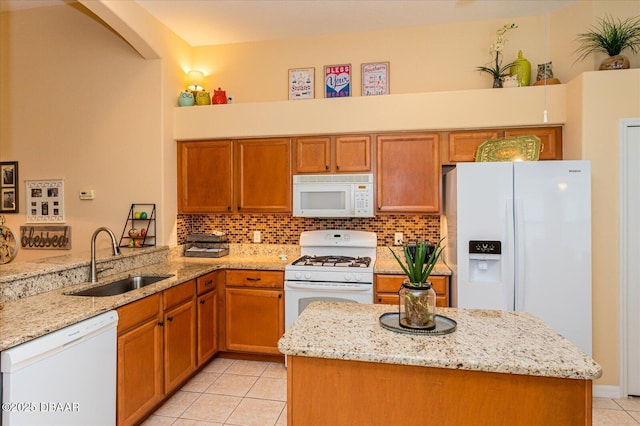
column 397, row 238
column 257, row 236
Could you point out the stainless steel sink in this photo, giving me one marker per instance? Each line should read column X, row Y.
column 121, row 286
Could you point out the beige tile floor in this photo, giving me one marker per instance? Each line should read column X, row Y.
column 251, row 393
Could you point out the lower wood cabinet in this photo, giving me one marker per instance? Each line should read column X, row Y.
column 254, row 311
column 179, row 334
column 140, row 359
column 156, row 350
column 207, row 313
column 387, row 286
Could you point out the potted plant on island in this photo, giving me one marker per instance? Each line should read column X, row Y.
column 612, row 38
column 416, row 297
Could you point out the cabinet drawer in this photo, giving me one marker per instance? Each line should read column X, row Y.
column 179, row 294
column 392, row 283
column 387, row 299
column 206, row 282
column 440, row 284
column 389, row 283
column 138, row 312
column 249, row 278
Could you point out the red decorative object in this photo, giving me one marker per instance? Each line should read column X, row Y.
column 219, row 97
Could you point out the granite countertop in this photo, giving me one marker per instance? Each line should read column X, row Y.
column 30, row 317
column 32, row 304
column 490, row 341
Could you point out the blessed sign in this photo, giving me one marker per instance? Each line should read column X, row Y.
column 45, row 237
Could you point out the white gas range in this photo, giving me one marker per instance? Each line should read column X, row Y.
column 335, row 265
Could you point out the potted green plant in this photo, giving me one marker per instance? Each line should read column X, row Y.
column 611, row 37
column 416, row 297
column 496, row 69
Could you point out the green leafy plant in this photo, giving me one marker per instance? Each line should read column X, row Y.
column 610, row 37
column 497, row 70
column 419, row 267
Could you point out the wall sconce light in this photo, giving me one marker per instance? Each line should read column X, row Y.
column 196, row 79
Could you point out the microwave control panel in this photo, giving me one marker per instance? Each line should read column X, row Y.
column 363, row 200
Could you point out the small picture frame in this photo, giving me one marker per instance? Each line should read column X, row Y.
column 337, row 81
column 9, row 187
column 375, row 78
column 302, row 83
column 45, row 201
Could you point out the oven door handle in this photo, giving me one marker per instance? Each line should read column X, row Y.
column 319, row 286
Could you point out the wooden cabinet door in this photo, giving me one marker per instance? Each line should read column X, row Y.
column 550, row 140
column 205, row 177
column 254, row 320
column 179, row 344
column 207, row 320
column 312, row 154
column 263, row 175
column 408, row 173
column 140, row 360
column 352, row 154
column 464, row 145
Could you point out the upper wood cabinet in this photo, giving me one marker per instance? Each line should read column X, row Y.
column 205, row 177
column 550, row 140
column 463, row 145
column 408, row 173
column 329, row 154
column 263, row 175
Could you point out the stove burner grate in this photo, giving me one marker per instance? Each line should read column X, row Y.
column 345, row 261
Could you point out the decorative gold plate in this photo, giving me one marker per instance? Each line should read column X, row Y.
column 516, row 148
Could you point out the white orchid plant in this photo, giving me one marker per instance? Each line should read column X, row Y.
column 498, row 71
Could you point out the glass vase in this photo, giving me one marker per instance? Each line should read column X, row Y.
column 417, row 306
column 497, row 82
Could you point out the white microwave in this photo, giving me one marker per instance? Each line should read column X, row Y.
column 333, row 195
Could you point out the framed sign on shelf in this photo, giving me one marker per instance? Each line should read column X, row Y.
column 375, row 78
column 45, row 201
column 9, row 187
column 302, row 83
column 337, row 81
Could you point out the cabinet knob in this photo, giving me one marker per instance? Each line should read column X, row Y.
column 160, row 323
column 208, row 282
column 279, row 296
column 326, row 167
column 229, row 208
column 169, row 319
column 253, row 279
column 202, row 302
column 337, row 167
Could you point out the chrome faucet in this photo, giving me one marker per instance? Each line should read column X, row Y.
column 116, row 251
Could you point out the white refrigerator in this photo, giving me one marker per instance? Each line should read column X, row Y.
column 519, row 238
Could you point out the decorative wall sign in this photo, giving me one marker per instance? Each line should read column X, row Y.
column 337, row 81
column 45, row 201
column 9, row 188
column 45, row 237
column 375, row 79
column 302, row 82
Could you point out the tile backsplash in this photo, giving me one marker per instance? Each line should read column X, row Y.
column 285, row 229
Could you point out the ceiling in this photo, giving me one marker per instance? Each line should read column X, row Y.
column 211, row 22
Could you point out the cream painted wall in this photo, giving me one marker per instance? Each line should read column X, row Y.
column 608, row 96
column 79, row 104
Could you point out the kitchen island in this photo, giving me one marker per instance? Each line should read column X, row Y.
column 497, row 368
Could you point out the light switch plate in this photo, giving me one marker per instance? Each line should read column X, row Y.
column 257, row 236
column 397, row 238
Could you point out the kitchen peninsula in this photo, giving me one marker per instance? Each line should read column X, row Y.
column 498, row 368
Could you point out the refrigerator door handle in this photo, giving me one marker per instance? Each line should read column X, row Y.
column 510, row 278
column 520, row 283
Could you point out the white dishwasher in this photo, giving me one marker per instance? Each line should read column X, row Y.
column 67, row 377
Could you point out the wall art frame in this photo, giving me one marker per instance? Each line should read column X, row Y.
column 9, row 187
column 337, row 81
column 302, row 83
column 375, row 78
column 45, row 201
